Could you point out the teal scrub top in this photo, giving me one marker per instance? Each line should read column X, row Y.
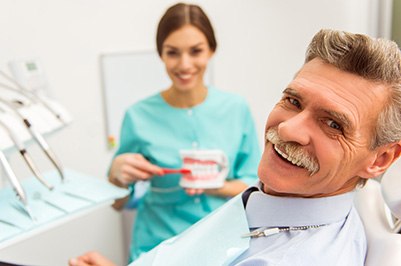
column 158, row 131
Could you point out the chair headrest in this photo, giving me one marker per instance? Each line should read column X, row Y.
column 391, row 191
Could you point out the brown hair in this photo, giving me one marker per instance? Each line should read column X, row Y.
column 180, row 15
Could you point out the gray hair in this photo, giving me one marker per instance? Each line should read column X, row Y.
column 378, row 60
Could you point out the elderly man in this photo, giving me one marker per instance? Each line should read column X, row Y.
column 337, row 124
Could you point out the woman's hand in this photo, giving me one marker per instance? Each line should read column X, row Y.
column 90, row 259
column 131, row 167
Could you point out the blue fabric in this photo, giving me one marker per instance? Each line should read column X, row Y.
column 158, row 131
column 340, row 240
column 205, row 243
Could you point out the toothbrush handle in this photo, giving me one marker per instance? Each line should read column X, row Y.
column 167, row 171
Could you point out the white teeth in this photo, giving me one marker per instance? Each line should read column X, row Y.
column 291, row 160
column 184, row 76
column 280, row 152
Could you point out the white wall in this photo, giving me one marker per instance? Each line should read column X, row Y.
column 261, row 44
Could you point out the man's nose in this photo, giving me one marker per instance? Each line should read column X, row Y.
column 296, row 129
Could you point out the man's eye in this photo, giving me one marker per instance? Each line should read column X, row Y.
column 294, row 102
column 333, row 124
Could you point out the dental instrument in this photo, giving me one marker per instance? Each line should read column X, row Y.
column 19, row 190
column 37, row 137
column 30, row 95
column 22, row 150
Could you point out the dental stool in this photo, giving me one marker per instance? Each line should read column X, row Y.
column 379, row 206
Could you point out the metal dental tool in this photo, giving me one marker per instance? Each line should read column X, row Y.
column 29, row 94
column 22, row 150
column 37, row 137
column 45, row 147
column 16, row 184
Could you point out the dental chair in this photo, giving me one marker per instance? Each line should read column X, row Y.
column 379, row 206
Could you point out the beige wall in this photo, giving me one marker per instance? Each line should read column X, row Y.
column 396, row 30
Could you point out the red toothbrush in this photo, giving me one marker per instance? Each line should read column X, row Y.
column 167, row 171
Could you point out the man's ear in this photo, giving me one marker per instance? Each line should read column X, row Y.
column 385, row 156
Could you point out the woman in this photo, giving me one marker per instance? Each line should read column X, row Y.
column 187, row 115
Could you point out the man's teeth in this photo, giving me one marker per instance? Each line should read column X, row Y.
column 290, row 159
column 280, row 152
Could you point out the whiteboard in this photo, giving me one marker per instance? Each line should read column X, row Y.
column 127, row 78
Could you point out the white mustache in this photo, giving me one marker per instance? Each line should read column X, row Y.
column 295, row 153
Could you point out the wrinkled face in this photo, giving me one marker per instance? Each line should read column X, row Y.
column 185, row 54
column 319, row 133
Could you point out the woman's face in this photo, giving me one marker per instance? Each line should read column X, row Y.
column 185, row 53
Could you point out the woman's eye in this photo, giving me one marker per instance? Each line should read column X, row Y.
column 294, row 102
column 196, row 51
column 172, row 53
